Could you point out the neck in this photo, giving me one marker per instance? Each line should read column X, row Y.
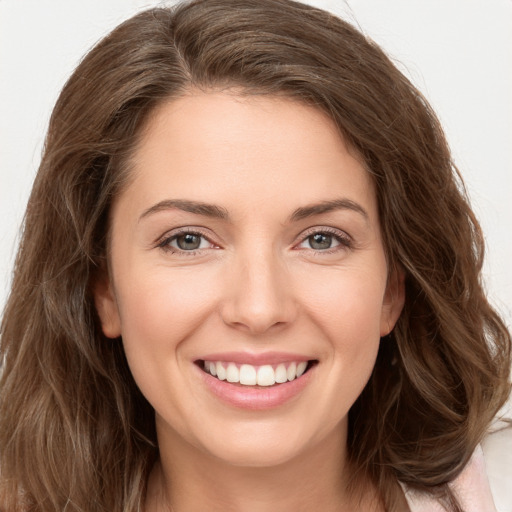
column 186, row 479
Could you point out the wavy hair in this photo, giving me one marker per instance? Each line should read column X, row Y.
column 76, row 434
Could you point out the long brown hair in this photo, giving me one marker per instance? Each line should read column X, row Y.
column 75, row 432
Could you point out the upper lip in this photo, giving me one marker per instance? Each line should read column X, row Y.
column 254, row 359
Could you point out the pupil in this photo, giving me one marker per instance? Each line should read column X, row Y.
column 188, row 241
column 320, row 241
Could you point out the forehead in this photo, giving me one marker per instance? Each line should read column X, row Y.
column 220, row 147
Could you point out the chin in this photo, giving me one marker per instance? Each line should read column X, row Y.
column 257, row 455
column 261, row 444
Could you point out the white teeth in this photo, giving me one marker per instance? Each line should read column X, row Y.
column 281, row 375
column 249, row 375
column 301, row 368
column 221, row 371
column 292, row 371
column 232, row 373
column 266, row 376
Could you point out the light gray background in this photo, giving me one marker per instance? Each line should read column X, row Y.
column 458, row 52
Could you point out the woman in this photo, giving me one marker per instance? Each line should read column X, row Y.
column 248, row 279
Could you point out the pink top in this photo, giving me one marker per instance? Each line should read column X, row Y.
column 471, row 488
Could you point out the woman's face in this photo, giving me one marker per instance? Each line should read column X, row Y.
column 248, row 243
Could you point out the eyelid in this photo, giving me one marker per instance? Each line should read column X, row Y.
column 343, row 237
column 164, row 241
column 325, row 229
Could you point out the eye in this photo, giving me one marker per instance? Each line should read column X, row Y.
column 321, row 241
column 325, row 240
column 189, row 242
column 185, row 242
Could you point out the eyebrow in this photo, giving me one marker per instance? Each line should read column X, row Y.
column 197, row 207
column 218, row 212
column 326, row 207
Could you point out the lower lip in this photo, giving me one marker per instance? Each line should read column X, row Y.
column 256, row 398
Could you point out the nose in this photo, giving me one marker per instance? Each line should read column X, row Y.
column 259, row 294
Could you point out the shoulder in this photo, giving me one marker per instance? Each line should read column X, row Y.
column 485, row 483
column 471, row 488
column 497, row 449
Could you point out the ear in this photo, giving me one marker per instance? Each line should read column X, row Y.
column 106, row 306
column 394, row 299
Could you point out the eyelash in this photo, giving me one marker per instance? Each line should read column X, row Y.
column 164, row 243
column 344, row 240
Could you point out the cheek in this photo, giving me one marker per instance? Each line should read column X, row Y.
column 348, row 305
column 162, row 306
column 160, row 310
column 347, row 310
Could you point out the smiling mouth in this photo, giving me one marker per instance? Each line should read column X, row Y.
column 260, row 376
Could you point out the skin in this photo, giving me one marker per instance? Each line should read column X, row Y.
column 256, row 284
